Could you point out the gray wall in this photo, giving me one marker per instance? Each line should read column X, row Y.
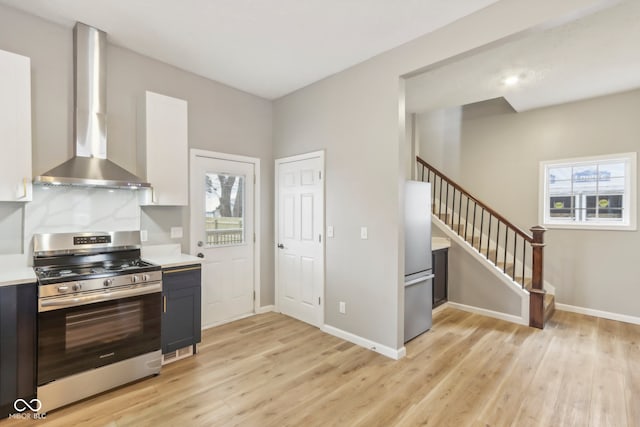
column 220, row 119
column 471, row 283
column 158, row 220
column 354, row 115
column 498, row 151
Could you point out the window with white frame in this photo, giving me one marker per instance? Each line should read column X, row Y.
column 589, row 192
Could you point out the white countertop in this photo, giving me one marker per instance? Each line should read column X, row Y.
column 168, row 256
column 438, row 243
column 15, row 270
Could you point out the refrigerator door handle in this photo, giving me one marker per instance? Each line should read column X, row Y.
column 419, row 279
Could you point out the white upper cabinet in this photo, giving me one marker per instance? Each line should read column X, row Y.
column 15, row 128
column 163, row 146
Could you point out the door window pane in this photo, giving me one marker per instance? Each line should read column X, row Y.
column 224, row 209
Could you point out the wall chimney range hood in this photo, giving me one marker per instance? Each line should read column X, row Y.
column 89, row 166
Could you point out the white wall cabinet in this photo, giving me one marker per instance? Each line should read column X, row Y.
column 163, row 156
column 15, row 128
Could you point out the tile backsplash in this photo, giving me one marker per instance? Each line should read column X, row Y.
column 68, row 209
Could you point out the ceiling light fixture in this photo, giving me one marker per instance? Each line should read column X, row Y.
column 511, row 80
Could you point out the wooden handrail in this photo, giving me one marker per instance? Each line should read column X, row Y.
column 534, row 240
column 493, row 212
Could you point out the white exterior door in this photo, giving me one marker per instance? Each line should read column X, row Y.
column 222, row 233
column 300, row 237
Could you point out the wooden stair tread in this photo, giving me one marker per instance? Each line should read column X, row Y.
column 458, row 228
column 444, row 217
column 474, row 242
column 508, row 267
column 549, row 306
column 527, row 282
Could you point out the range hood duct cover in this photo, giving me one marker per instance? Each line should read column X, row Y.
column 90, row 166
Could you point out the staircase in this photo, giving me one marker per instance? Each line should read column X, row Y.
column 514, row 253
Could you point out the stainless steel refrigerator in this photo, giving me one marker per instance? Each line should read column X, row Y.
column 418, row 273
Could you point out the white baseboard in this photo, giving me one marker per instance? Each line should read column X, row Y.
column 490, row 313
column 265, row 309
column 598, row 313
column 363, row 342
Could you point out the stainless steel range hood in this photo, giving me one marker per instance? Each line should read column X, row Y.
column 90, row 166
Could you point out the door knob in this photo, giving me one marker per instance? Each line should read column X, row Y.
column 280, row 245
column 200, row 255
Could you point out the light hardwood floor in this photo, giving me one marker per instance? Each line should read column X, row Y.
column 469, row 370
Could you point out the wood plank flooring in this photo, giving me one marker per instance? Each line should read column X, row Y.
column 469, row 370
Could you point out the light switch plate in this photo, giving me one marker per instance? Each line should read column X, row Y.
column 364, row 233
column 330, row 231
column 143, row 236
column 342, row 307
column 176, row 232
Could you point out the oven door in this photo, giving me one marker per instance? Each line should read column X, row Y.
column 79, row 332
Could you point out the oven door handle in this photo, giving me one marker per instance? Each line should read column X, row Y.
column 72, row 301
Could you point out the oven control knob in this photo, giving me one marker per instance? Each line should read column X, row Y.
column 76, row 287
column 145, row 277
column 63, row 289
column 108, row 282
column 135, row 279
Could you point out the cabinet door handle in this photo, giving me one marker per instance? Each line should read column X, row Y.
column 419, row 279
column 154, row 200
column 180, row 270
column 164, row 308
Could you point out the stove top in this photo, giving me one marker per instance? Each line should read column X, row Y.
column 56, row 274
column 82, row 256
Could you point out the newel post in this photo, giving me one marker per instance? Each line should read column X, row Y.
column 536, row 293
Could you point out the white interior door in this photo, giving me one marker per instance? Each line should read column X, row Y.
column 222, row 233
column 300, row 239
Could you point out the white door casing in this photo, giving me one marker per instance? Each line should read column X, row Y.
column 229, row 246
column 299, row 256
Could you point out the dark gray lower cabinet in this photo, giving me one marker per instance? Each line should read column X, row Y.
column 18, row 317
column 181, row 290
column 441, row 272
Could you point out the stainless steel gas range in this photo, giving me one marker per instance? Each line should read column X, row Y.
column 99, row 310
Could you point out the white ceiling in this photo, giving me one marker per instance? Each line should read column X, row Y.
column 596, row 55
column 268, row 48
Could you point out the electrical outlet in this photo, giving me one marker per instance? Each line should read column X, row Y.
column 143, row 236
column 176, row 232
column 364, row 233
column 342, row 307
